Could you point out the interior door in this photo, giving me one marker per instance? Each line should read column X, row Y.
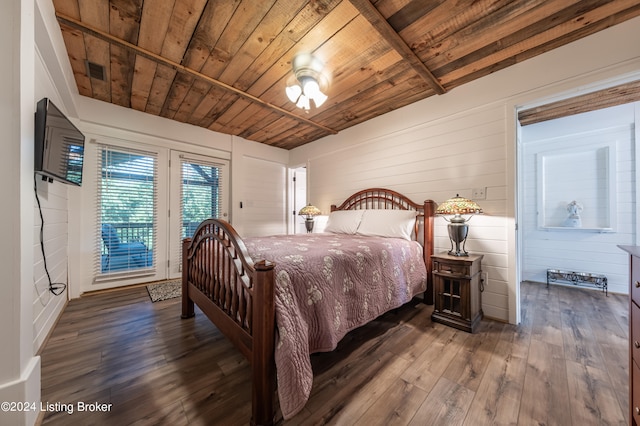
column 264, row 201
column 199, row 189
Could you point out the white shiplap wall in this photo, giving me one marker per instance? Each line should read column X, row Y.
column 434, row 161
column 54, row 201
column 46, row 305
column 580, row 250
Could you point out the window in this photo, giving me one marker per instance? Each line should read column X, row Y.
column 127, row 198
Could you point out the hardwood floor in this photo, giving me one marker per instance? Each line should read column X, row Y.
column 565, row 364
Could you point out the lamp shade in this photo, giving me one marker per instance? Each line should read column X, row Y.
column 458, row 205
column 309, row 210
column 458, row 228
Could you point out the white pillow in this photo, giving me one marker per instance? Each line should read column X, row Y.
column 344, row 221
column 388, row 223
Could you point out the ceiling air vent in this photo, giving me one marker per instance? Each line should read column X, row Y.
column 95, row 71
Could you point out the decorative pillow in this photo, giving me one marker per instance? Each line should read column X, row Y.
column 344, row 221
column 388, row 223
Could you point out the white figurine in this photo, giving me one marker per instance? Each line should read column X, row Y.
column 574, row 220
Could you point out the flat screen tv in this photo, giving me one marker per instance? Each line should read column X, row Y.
column 59, row 145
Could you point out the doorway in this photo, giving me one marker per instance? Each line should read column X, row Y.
column 148, row 201
column 588, row 159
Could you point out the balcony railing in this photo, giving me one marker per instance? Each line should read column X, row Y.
column 143, row 232
column 133, row 232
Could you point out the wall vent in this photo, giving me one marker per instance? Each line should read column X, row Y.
column 95, row 70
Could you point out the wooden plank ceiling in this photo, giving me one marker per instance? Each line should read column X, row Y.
column 222, row 64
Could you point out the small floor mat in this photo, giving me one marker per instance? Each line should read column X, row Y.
column 166, row 290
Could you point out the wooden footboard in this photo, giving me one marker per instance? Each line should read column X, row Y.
column 238, row 297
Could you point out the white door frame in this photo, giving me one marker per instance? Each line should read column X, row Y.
column 298, row 199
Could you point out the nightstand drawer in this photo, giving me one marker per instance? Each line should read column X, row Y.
column 451, row 268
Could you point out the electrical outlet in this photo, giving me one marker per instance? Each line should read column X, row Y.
column 479, row 193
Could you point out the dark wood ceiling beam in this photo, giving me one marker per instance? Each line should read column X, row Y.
column 369, row 12
column 75, row 24
column 605, row 98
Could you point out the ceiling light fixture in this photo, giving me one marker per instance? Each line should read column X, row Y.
column 308, row 82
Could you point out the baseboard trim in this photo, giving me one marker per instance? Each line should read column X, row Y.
column 25, row 389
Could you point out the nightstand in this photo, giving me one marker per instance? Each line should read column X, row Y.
column 458, row 286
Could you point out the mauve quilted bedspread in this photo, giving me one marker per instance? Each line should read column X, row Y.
column 326, row 286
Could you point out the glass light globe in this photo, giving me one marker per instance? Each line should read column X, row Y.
column 303, row 102
column 293, row 92
column 319, row 98
column 311, row 88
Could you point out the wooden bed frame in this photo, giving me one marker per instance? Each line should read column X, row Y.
column 237, row 295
